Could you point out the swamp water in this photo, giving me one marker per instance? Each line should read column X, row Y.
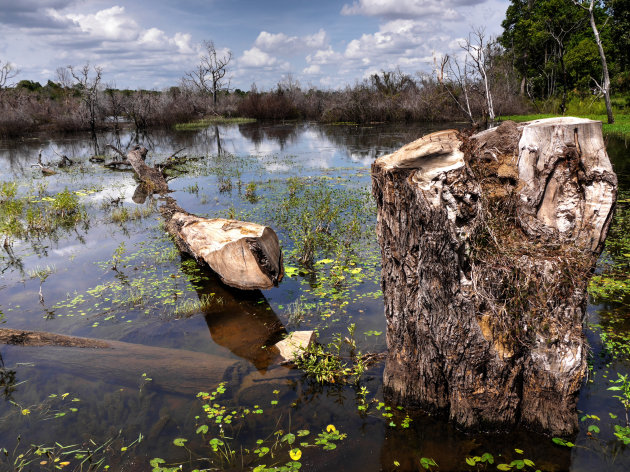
column 88, row 257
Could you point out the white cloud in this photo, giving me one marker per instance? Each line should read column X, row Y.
column 312, row 69
column 112, row 24
column 324, row 56
column 280, row 43
column 255, row 58
column 444, row 9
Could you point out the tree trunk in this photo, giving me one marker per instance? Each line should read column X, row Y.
column 244, row 255
column 605, row 87
column 487, row 246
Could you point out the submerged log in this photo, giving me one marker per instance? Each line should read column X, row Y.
column 172, row 370
column 245, row 255
column 487, row 246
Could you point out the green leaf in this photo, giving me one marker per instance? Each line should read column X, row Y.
column 518, row 451
column 303, row 432
column 470, row 461
column 156, row 462
column 179, row 441
column 203, row 429
column 529, row 463
column 289, row 438
column 504, row 467
column 593, row 429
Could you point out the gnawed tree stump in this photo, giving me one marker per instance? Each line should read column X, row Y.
column 245, row 255
column 487, row 245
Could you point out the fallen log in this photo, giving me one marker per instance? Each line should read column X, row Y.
column 487, row 245
column 245, row 255
column 121, row 363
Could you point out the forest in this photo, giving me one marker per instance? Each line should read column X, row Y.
column 547, row 60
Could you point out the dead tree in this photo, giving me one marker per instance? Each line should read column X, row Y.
column 487, row 246
column 604, row 87
column 88, row 88
column 209, row 75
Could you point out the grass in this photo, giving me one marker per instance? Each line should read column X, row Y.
column 215, row 120
column 621, row 126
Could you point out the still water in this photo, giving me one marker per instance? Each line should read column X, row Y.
column 169, row 345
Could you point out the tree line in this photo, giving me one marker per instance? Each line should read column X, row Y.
column 550, row 52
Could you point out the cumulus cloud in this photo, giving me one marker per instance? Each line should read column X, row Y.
column 280, row 43
column 444, row 9
column 255, row 58
column 312, row 69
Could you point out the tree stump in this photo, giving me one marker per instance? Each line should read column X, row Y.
column 487, row 245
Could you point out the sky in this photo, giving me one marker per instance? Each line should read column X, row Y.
column 151, row 44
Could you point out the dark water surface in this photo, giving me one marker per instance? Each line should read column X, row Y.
column 171, row 348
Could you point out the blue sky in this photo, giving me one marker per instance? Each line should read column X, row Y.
column 153, row 43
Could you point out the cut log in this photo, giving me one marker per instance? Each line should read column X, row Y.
column 121, row 363
column 487, row 245
column 244, row 255
column 293, row 346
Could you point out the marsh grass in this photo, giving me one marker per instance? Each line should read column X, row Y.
column 190, row 307
column 34, row 215
column 216, row 120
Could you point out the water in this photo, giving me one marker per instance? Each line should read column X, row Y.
column 167, row 348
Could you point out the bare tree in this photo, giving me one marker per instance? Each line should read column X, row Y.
column 604, row 87
column 7, row 72
column 88, row 87
column 457, row 82
column 477, row 49
column 209, row 75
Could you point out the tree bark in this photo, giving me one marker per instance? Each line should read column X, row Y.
column 487, row 246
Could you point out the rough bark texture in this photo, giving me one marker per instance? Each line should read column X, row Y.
column 244, row 255
column 487, row 246
column 150, row 176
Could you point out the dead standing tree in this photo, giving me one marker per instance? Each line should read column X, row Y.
column 604, row 87
column 7, row 72
column 88, row 88
column 487, row 247
column 209, row 75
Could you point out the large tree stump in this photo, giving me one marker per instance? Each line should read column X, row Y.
column 245, row 255
column 487, row 245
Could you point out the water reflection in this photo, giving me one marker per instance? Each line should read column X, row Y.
column 314, row 145
column 241, row 321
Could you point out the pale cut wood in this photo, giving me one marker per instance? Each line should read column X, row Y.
column 245, row 255
column 487, row 246
column 294, row 345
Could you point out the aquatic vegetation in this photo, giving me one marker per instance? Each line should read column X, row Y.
column 215, row 120
column 219, row 427
column 33, row 215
